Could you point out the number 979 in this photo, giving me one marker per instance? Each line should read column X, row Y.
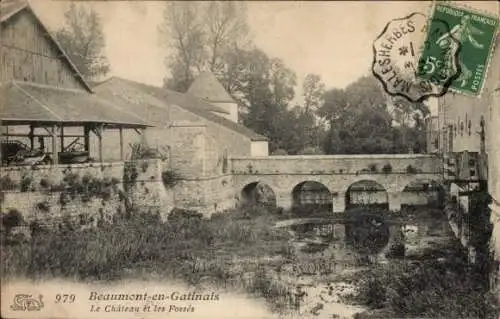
column 65, row 298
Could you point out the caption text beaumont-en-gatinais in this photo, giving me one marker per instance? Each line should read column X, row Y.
column 159, row 302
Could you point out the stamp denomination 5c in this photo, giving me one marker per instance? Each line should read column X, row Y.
column 397, row 55
column 476, row 34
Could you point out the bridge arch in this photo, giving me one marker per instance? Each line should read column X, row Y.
column 366, row 192
column 423, row 192
column 258, row 193
column 311, row 196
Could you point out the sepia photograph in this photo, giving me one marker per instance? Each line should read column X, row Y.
column 249, row 159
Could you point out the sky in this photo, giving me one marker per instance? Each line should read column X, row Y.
column 332, row 39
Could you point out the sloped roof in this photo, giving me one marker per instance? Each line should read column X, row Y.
column 10, row 8
column 208, row 88
column 23, row 103
column 152, row 103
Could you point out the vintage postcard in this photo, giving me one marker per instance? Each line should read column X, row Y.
column 249, row 159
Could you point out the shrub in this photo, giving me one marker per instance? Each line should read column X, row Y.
column 428, row 289
column 410, row 169
column 170, row 178
column 12, row 219
column 372, row 168
column 26, row 182
column 143, row 151
column 387, row 168
column 43, row 206
column 45, row 183
column 6, row 183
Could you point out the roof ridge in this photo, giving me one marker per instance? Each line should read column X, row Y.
column 206, row 86
column 168, row 97
column 24, row 4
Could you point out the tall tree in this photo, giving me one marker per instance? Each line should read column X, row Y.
column 83, row 40
column 183, row 28
column 409, row 116
column 199, row 36
column 359, row 120
column 314, row 90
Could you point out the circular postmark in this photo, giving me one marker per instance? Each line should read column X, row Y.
column 415, row 58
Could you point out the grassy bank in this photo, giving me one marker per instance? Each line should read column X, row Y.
column 225, row 249
column 428, row 288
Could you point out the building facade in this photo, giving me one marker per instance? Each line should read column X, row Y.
column 469, row 141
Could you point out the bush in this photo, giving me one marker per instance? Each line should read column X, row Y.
column 12, row 219
column 387, row 168
column 427, row 289
column 26, row 182
column 170, row 178
column 372, row 168
column 411, row 170
column 6, row 183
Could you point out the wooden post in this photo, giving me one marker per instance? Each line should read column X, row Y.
column 121, row 143
column 98, row 131
column 86, row 137
column 55, row 155
column 32, row 136
column 62, row 138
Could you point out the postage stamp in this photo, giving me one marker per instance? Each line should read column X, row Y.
column 475, row 32
column 398, row 58
column 233, row 159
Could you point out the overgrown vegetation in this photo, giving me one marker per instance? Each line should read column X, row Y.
column 180, row 247
column 411, row 170
column 372, row 168
column 387, row 168
column 170, row 178
column 86, row 187
column 426, row 289
column 144, row 151
column 6, row 183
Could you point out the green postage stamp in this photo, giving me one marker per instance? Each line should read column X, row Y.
column 476, row 34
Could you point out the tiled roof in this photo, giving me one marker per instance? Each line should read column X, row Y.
column 24, row 103
column 9, row 8
column 208, row 88
column 152, row 103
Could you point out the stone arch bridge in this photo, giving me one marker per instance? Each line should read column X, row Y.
column 390, row 175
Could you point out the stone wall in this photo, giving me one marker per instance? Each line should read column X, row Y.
column 87, row 192
column 335, row 164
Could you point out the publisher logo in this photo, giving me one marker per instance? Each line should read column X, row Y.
column 25, row 302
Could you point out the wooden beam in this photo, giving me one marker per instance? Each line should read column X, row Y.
column 32, row 136
column 62, row 138
column 86, row 137
column 43, row 135
column 55, row 155
column 98, row 130
column 121, row 143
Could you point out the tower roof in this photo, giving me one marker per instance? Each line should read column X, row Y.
column 207, row 87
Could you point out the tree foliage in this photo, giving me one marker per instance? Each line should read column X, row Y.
column 361, row 120
column 199, row 36
column 214, row 36
column 82, row 39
